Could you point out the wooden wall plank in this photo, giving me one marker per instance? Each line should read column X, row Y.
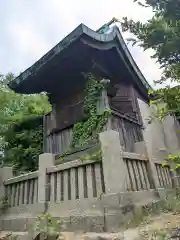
column 129, row 132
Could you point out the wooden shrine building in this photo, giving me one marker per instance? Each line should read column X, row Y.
column 59, row 73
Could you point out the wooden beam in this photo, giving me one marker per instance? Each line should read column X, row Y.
column 115, row 112
column 102, row 69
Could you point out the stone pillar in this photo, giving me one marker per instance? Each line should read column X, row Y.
column 45, row 160
column 153, row 139
column 170, row 132
column 103, row 103
column 5, row 174
column 113, row 164
column 171, row 127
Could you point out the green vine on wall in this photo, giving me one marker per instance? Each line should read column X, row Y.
column 96, row 156
column 93, row 123
column 4, row 203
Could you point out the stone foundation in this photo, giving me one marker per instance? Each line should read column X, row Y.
column 109, row 213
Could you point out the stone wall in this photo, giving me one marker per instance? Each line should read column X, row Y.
column 161, row 138
column 88, row 195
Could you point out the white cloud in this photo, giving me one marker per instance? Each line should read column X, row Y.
column 27, row 42
column 31, row 28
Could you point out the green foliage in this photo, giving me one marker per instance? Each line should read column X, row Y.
column 155, row 234
column 162, row 34
column 170, row 96
column 171, row 203
column 173, row 159
column 93, row 122
column 24, row 145
column 21, row 126
column 93, row 156
column 48, row 227
column 4, row 203
column 18, row 107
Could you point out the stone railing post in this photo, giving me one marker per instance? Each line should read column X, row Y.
column 45, row 160
column 153, row 140
column 5, row 174
column 113, row 164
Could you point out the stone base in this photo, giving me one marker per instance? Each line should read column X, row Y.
column 107, row 214
column 18, row 219
column 163, row 193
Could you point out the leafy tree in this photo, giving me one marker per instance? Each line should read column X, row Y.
column 24, row 143
column 162, row 34
column 21, row 132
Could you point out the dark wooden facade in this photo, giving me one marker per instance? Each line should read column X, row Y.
column 125, row 119
column 59, row 73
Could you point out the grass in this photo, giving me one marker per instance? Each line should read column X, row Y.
column 170, row 205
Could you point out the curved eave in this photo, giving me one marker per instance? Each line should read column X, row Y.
column 114, row 35
column 131, row 60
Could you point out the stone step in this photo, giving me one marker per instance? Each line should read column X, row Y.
column 127, row 235
column 13, row 235
column 130, row 234
column 92, row 236
column 100, row 236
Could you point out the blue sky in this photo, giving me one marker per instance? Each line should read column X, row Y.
column 29, row 28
